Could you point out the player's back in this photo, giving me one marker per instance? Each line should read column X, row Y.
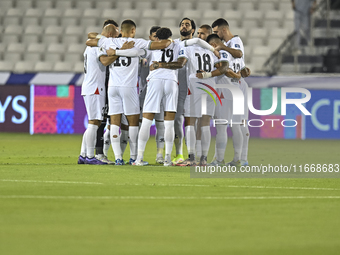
column 124, row 71
column 94, row 71
column 168, row 54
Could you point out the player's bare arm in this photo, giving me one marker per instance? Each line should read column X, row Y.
column 126, row 46
column 159, row 45
column 221, row 69
column 231, row 74
column 92, row 35
column 245, row 72
column 108, row 60
column 234, row 52
column 92, row 42
column 170, row 65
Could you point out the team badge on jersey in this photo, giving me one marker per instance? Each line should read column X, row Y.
column 237, row 46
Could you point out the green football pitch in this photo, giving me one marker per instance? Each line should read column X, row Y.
column 50, row 205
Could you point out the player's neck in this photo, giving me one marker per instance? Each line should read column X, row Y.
column 127, row 35
column 186, row 37
column 228, row 36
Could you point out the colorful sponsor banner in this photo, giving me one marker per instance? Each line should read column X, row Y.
column 54, row 109
column 325, row 119
column 15, row 108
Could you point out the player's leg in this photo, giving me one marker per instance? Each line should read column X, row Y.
column 115, row 113
column 169, row 102
column 131, row 110
column 100, row 140
column 237, row 143
column 94, row 105
column 190, row 137
column 107, row 141
column 151, row 106
column 179, row 134
column 205, row 138
column 144, row 135
column 124, row 134
column 198, row 139
column 160, row 129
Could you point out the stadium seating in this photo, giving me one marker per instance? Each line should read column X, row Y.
column 40, row 25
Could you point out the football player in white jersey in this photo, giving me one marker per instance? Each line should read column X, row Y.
column 123, row 96
column 203, row 32
column 159, row 117
column 187, row 29
column 94, row 93
column 234, row 45
column 198, row 59
column 162, row 89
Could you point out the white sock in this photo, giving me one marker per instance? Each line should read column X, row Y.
column 198, row 148
column 246, row 135
column 115, row 141
column 190, row 135
column 83, row 145
column 169, row 136
column 107, row 142
column 221, row 141
column 91, row 138
column 205, row 140
column 133, row 137
column 237, row 141
column 160, row 129
column 124, row 138
column 179, row 135
column 144, row 134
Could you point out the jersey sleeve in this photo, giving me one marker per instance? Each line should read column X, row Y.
column 100, row 51
column 183, row 53
column 225, row 57
column 236, row 43
column 142, row 43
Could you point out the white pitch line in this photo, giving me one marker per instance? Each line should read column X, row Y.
column 227, row 186
column 59, row 182
column 161, row 198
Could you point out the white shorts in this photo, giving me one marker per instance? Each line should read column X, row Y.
column 224, row 111
column 95, row 106
column 123, row 100
column 161, row 91
column 244, row 87
column 193, row 105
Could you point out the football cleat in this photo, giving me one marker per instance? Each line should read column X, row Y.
column 94, row 161
column 119, row 162
column 81, row 160
column 178, row 159
column 217, row 163
column 167, row 161
column 244, row 163
column 131, row 161
column 159, row 159
column 188, row 162
column 203, row 161
column 138, row 163
column 234, row 163
column 105, row 159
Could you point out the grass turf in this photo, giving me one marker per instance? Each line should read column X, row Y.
column 51, row 205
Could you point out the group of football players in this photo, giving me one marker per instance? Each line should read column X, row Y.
column 171, row 81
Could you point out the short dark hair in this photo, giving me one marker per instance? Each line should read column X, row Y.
column 163, row 33
column 193, row 25
column 128, row 24
column 154, row 29
column 110, row 21
column 207, row 27
column 220, row 22
column 212, row 37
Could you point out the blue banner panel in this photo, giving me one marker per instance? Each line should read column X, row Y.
column 324, row 122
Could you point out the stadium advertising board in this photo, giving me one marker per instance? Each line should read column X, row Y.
column 325, row 119
column 15, row 108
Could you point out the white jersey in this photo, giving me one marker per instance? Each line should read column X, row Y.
column 238, row 63
column 124, row 71
column 94, row 72
column 200, row 59
column 223, row 79
column 169, row 54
